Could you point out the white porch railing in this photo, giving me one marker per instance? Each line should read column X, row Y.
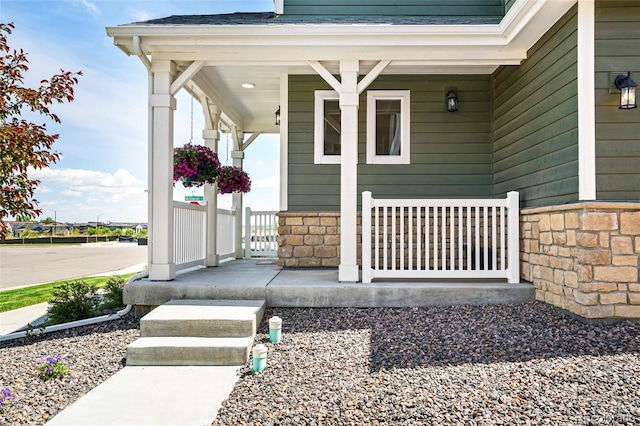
column 226, row 233
column 189, row 234
column 260, row 233
column 444, row 238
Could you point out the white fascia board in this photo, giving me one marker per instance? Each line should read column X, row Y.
column 288, row 56
column 285, row 39
column 529, row 20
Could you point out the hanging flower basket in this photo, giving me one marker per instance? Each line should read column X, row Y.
column 195, row 165
column 233, row 179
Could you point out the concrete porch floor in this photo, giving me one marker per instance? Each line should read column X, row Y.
column 263, row 279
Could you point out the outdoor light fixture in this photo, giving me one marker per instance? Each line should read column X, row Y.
column 452, row 101
column 627, row 89
column 278, row 116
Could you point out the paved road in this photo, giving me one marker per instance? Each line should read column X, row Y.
column 28, row 265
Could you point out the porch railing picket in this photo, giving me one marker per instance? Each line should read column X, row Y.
column 189, row 230
column 440, row 238
column 260, row 233
column 226, row 228
column 190, row 234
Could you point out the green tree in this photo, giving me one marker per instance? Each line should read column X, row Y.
column 24, row 144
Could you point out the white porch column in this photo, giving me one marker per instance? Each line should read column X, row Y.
column 163, row 104
column 236, row 201
column 211, row 137
column 349, row 100
column 586, row 101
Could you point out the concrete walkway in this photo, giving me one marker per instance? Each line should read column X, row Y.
column 153, row 396
column 11, row 321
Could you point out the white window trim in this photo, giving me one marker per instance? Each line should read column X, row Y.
column 319, row 157
column 405, row 113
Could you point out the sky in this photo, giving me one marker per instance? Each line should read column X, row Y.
column 102, row 175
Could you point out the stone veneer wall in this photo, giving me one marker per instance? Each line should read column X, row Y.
column 310, row 239
column 584, row 257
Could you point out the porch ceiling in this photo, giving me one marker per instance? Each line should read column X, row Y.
column 261, row 54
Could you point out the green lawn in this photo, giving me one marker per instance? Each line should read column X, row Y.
column 27, row 296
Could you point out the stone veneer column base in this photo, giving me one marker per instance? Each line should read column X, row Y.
column 310, row 239
column 584, row 258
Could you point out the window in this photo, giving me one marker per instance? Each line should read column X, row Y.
column 327, row 127
column 388, row 127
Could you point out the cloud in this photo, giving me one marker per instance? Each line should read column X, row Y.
column 71, row 194
column 79, row 195
column 75, row 183
column 141, row 15
column 270, row 182
column 91, row 8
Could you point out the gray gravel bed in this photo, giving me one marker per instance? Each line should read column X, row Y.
column 462, row 365
column 96, row 353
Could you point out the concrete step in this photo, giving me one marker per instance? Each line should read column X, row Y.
column 189, row 351
column 204, row 318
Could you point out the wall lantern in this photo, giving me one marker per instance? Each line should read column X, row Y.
column 452, row 101
column 627, row 89
column 278, row 116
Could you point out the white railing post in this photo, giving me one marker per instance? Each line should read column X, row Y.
column 366, row 236
column 247, row 233
column 513, row 201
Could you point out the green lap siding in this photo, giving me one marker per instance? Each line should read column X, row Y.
column 617, row 49
column 535, row 121
column 450, row 152
column 484, row 8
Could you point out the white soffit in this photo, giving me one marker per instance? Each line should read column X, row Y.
column 261, row 54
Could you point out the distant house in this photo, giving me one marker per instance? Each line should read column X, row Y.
column 19, row 228
column 422, row 100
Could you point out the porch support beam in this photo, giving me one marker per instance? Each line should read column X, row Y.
column 236, row 201
column 586, row 101
column 211, row 137
column 349, row 91
column 349, row 101
column 162, row 264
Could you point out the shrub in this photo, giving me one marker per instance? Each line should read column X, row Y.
column 73, row 301
column 113, row 293
column 53, row 367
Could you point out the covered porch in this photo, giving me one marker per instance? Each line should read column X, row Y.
column 262, row 279
column 239, row 68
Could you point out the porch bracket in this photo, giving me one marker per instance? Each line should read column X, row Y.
column 326, row 75
column 249, row 141
column 372, row 75
column 187, row 75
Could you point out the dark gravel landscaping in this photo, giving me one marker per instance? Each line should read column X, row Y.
column 460, row 365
